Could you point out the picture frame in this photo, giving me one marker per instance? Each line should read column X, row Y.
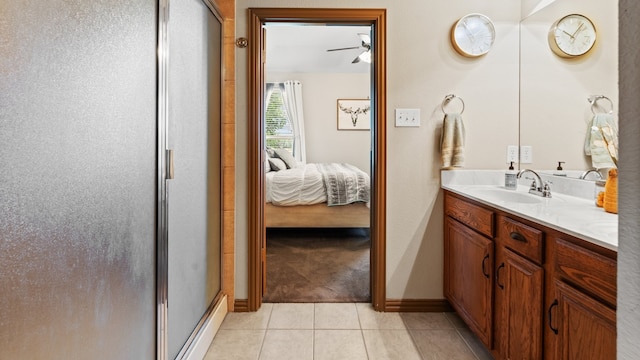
column 354, row 114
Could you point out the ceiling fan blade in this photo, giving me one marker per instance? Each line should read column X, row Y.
column 364, row 56
column 347, row 48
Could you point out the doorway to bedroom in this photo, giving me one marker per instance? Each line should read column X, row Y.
column 317, row 134
column 320, row 117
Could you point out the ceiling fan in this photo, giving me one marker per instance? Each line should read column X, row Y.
column 365, row 43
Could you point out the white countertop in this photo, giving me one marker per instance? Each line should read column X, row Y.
column 576, row 216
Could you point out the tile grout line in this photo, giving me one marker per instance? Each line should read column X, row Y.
column 464, row 339
column 364, row 341
column 413, row 340
column 264, row 337
column 313, row 334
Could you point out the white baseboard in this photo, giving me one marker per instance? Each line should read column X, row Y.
column 200, row 345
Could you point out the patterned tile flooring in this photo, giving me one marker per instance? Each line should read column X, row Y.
column 337, row 331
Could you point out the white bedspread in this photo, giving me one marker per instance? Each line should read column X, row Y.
column 298, row 186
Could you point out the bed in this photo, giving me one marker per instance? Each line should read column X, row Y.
column 317, row 195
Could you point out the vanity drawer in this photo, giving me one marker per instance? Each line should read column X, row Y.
column 521, row 238
column 586, row 269
column 474, row 216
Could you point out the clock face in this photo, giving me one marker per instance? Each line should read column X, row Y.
column 572, row 35
column 473, row 35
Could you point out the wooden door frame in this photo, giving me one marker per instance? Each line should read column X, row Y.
column 376, row 18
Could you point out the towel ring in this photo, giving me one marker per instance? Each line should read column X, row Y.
column 593, row 100
column 448, row 99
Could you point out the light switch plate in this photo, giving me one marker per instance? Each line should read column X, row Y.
column 407, row 117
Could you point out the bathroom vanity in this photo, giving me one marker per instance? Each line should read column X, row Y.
column 533, row 278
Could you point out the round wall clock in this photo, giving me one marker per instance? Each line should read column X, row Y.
column 572, row 35
column 473, row 35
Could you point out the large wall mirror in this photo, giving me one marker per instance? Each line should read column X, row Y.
column 554, row 110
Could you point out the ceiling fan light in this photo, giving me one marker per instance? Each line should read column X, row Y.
column 365, row 38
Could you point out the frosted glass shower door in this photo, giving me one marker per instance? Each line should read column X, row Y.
column 193, row 195
column 78, row 181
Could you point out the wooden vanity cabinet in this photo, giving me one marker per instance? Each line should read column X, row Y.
column 519, row 291
column 586, row 327
column 583, row 316
column 468, row 280
column 548, row 295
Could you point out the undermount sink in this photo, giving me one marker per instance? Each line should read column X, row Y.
column 510, row 196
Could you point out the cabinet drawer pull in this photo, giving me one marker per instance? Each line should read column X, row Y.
column 498, row 276
column 518, row 237
column 486, row 257
column 555, row 303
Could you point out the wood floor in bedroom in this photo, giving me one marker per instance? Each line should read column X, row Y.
column 318, row 265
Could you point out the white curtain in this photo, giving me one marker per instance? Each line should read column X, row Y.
column 293, row 105
column 269, row 90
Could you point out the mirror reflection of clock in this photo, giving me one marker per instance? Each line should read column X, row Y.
column 572, row 35
column 473, row 35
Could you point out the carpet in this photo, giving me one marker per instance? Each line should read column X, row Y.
column 317, row 265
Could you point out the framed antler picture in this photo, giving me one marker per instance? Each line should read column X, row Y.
column 354, row 114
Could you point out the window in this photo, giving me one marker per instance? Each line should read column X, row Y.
column 278, row 128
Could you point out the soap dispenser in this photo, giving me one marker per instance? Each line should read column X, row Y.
column 511, row 178
column 559, row 171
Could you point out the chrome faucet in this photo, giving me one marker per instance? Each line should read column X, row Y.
column 586, row 173
column 540, row 188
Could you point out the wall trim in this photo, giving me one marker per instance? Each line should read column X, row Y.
column 241, row 305
column 204, row 333
column 417, row 305
column 391, row 305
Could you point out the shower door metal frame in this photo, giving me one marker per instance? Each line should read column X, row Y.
column 162, row 250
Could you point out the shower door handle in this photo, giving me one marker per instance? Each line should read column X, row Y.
column 170, row 167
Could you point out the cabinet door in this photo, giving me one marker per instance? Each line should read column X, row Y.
column 498, row 297
column 520, row 284
column 468, row 277
column 586, row 327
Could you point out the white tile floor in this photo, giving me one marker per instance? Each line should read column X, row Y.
column 347, row 331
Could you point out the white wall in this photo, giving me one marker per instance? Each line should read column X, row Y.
column 422, row 68
column 324, row 142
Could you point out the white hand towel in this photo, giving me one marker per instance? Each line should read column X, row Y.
column 601, row 142
column 452, row 141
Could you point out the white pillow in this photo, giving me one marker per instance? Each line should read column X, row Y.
column 286, row 156
column 277, row 164
column 270, row 152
